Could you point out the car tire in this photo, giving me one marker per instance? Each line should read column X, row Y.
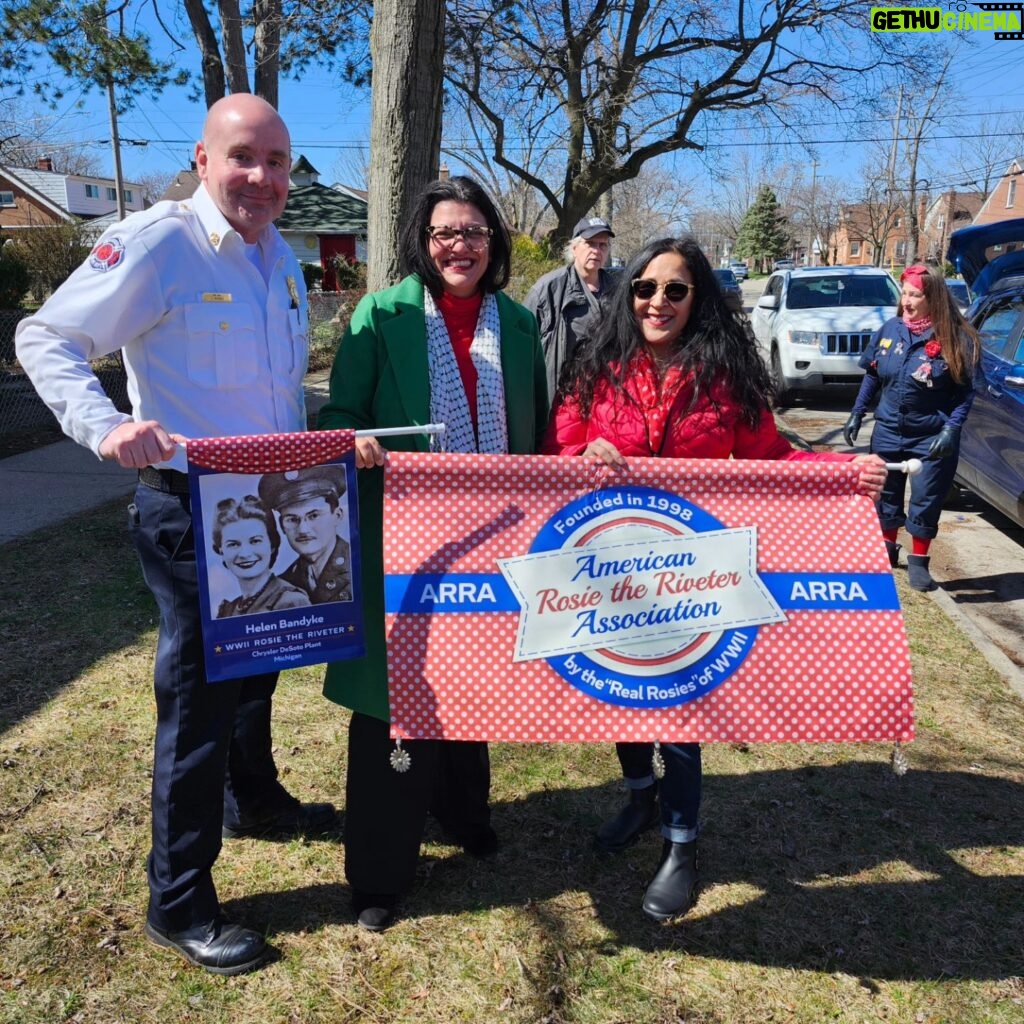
column 783, row 392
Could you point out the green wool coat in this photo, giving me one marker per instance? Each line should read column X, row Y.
column 380, row 378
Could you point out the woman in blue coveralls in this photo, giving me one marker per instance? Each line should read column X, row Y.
column 921, row 363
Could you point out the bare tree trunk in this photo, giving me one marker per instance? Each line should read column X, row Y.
column 407, row 50
column 209, row 51
column 266, row 15
column 234, row 46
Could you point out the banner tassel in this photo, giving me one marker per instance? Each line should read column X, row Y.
column 400, row 759
column 657, row 762
column 899, row 761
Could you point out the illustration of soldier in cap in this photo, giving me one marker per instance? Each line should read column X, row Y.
column 308, row 504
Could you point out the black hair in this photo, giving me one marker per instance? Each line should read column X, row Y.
column 250, row 507
column 414, row 255
column 715, row 346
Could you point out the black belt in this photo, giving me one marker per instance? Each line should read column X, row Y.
column 170, row 481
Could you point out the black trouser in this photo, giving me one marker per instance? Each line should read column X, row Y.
column 386, row 811
column 212, row 739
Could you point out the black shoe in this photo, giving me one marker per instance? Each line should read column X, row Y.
column 219, row 947
column 893, row 551
column 918, row 575
column 300, row 820
column 477, row 840
column 671, row 890
column 639, row 815
column 374, row 911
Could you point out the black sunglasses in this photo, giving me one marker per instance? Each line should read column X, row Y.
column 644, row 288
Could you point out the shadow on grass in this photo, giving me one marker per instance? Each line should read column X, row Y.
column 845, row 868
column 73, row 595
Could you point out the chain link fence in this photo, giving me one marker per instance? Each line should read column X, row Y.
column 23, row 412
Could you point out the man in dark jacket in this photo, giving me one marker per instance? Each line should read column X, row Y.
column 561, row 299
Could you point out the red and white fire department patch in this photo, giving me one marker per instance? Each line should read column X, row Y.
column 107, row 255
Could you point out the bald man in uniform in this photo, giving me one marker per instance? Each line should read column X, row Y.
column 208, row 305
column 308, row 503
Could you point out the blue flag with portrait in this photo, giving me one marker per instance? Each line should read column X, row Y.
column 276, row 525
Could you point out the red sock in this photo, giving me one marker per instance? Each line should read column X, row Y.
column 890, row 535
column 920, row 546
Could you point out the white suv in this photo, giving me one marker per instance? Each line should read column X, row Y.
column 812, row 324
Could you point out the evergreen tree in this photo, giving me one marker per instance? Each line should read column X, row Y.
column 764, row 234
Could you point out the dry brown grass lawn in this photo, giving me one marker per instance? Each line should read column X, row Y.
column 833, row 889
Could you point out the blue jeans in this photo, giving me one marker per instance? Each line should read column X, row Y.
column 679, row 791
column 212, row 761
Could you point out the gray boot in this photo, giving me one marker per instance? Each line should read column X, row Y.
column 893, row 550
column 917, row 572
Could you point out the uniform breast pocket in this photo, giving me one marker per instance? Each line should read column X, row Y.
column 298, row 325
column 223, row 347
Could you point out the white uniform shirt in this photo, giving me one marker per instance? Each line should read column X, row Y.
column 211, row 348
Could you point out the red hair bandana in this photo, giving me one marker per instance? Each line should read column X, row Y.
column 914, row 276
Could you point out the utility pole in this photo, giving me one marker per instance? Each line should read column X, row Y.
column 812, row 227
column 115, row 141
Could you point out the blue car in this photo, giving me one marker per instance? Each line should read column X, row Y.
column 991, row 259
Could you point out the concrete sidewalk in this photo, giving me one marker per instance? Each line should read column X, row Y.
column 46, row 486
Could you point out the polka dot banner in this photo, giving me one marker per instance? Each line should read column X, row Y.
column 832, row 664
column 270, row 453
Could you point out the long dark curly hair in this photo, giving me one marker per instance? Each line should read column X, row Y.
column 715, row 346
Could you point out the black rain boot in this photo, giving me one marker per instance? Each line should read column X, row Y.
column 671, row 890
column 917, row 572
column 639, row 815
column 893, row 550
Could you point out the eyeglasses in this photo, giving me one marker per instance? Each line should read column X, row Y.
column 675, row 291
column 476, row 236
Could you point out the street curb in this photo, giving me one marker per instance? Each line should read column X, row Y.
column 999, row 662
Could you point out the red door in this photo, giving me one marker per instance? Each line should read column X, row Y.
column 335, row 245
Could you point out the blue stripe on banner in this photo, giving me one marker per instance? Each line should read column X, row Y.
column 458, row 592
column 833, row 591
column 431, row 593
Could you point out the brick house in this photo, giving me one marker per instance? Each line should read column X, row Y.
column 1006, row 200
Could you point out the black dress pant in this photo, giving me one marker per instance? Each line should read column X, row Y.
column 386, row 811
column 212, row 739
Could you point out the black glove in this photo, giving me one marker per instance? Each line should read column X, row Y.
column 945, row 442
column 852, row 427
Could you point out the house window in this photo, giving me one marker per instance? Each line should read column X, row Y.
column 899, row 251
column 92, row 191
column 855, row 248
column 127, row 195
column 1011, row 192
column 6, row 198
column 896, row 221
column 111, row 194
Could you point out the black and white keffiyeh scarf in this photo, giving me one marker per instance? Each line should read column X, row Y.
column 448, row 403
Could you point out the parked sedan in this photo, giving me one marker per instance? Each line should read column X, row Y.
column 784, row 264
column 813, row 323
column 731, row 290
column 991, row 259
column 739, row 269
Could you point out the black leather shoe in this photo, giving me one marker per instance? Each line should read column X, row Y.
column 639, row 815
column 300, row 820
column 671, row 890
column 374, row 911
column 477, row 840
column 219, row 947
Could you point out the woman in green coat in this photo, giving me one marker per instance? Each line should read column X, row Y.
column 443, row 345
